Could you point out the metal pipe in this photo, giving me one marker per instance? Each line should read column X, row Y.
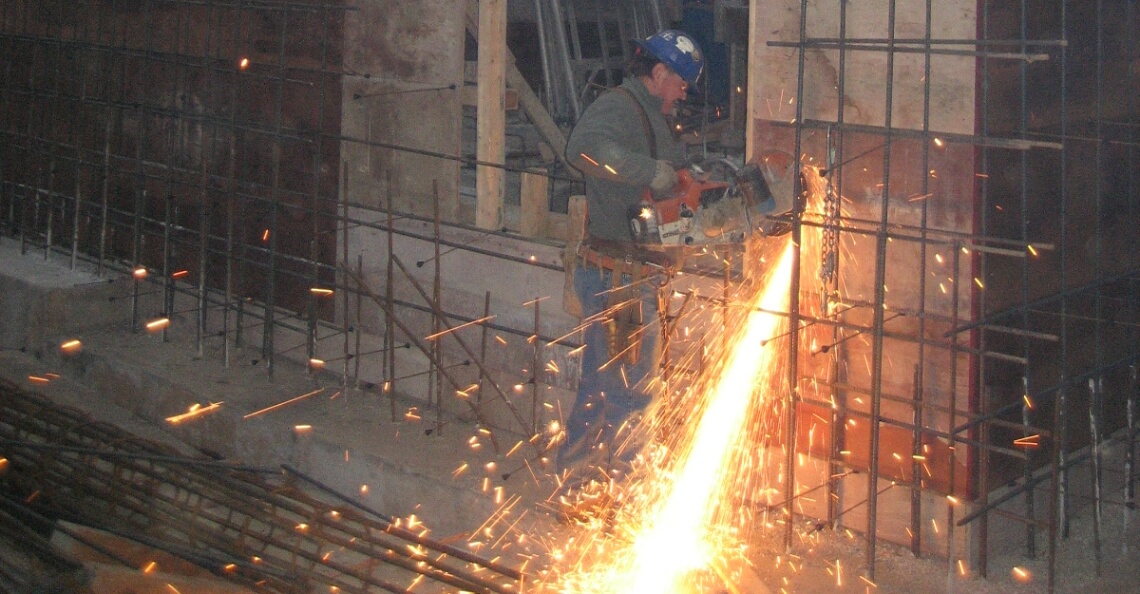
column 562, row 47
column 544, row 54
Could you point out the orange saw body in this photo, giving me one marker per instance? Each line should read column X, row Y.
column 702, row 210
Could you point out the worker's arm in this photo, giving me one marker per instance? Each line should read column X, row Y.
column 609, row 143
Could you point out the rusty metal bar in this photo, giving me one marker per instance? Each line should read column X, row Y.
column 103, row 476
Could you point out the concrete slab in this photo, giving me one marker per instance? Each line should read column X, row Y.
column 453, row 479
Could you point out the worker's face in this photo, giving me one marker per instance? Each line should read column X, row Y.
column 670, row 87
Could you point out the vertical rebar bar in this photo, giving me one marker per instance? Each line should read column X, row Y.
column 915, row 464
column 390, row 302
column 1061, row 427
column 436, row 320
column 794, row 295
column 75, row 222
column 1058, row 514
column 231, row 205
column 919, row 380
column 1096, row 396
column 50, row 207
column 342, row 285
column 952, row 406
column 203, row 246
column 483, row 346
column 536, row 370
column 979, row 297
column 880, row 301
column 167, row 273
column 267, row 348
column 104, row 198
column 1130, row 444
column 358, row 319
column 983, row 479
column 1023, row 130
column 1030, row 492
column 136, row 255
column 835, row 190
column 311, row 329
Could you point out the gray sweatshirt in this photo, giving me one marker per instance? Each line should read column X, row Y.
column 611, row 133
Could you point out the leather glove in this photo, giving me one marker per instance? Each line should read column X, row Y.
column 664, row 178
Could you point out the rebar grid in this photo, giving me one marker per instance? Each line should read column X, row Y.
column 1012, row 315
column 239, row 524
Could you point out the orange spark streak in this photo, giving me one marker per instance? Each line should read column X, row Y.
column 280, row 404
column 195, row 410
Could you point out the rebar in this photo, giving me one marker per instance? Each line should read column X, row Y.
column 270, row 531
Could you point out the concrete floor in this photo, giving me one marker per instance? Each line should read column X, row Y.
column 453, row 481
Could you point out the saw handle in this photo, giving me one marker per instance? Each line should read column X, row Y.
column 679, row 190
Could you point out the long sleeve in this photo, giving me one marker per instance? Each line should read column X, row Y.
column 610, row 146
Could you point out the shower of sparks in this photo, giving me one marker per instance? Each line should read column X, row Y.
column 685, row 521
column 679, row 521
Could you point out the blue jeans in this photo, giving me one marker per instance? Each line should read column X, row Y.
column 609, row 399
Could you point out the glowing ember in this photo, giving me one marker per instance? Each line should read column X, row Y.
column 71, row 346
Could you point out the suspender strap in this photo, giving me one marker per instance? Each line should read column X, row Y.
column 649, row 135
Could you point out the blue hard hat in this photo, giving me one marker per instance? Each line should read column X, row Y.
column 677, row 50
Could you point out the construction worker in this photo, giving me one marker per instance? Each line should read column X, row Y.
column 623, row 145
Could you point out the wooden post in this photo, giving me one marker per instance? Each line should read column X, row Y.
column 528, row 100
column 535, row 202
column 491, row 124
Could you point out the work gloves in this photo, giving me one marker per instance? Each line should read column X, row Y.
column 664, row 178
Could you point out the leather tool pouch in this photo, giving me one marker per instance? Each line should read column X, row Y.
column 624, row 325
column 577, row 211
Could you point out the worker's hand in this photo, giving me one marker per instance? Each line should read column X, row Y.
column 663, row 179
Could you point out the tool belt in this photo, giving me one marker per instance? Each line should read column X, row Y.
column 624, row 257
column 624, row 319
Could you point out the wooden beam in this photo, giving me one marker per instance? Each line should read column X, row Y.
column 529, row 102
column 469, row 96
column 534, row 202
column 491, row 117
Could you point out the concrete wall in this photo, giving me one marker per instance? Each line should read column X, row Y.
column 402, row 88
